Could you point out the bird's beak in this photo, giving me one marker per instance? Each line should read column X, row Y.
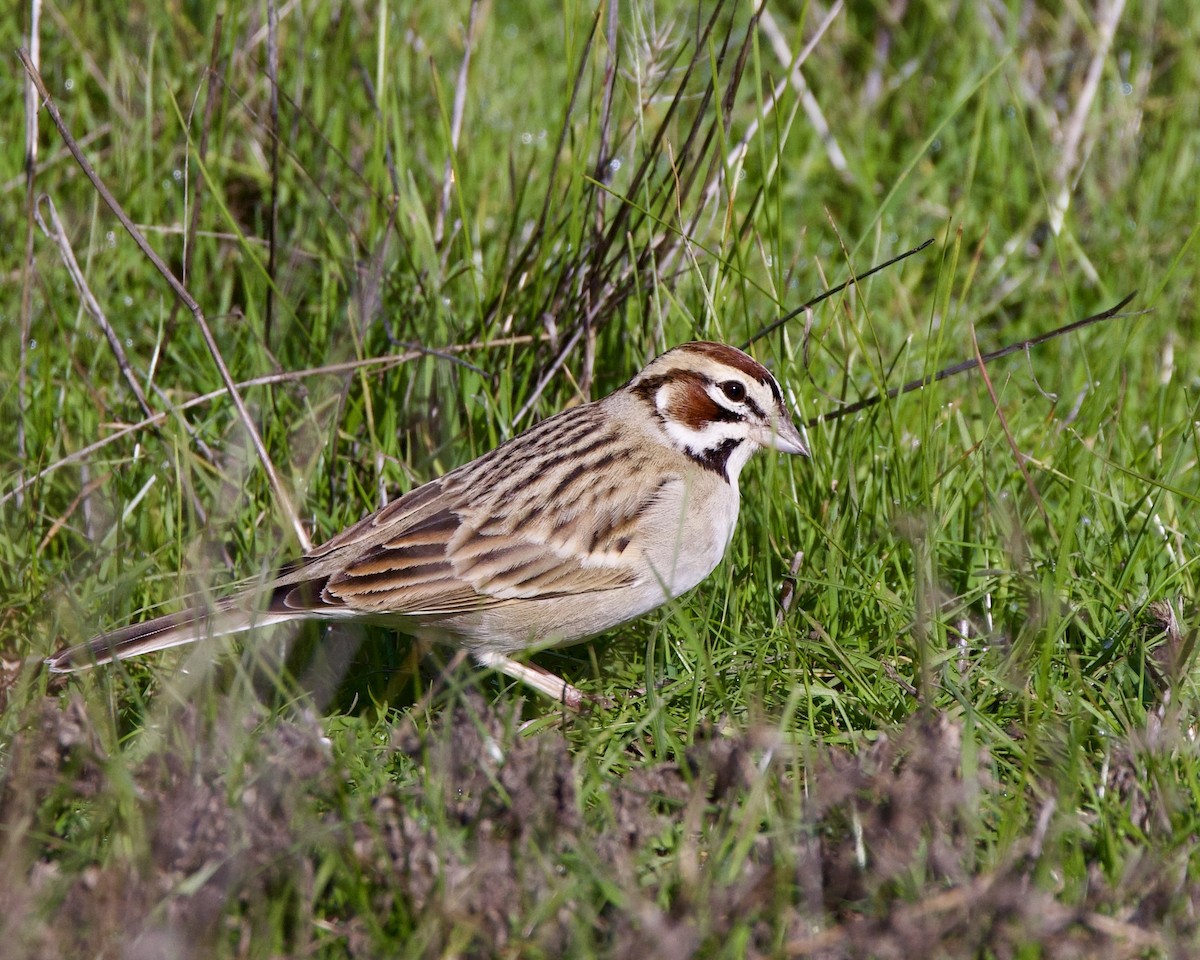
column 786, row 437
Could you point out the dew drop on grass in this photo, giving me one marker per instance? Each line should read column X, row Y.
column 69, row 85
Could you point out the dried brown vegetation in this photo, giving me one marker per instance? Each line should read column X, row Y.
column 825, row 854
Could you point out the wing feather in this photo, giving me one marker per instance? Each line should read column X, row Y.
column 527, row 521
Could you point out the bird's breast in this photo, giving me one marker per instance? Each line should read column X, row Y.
column 688, row 531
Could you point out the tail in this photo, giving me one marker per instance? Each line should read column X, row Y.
column 173, row 630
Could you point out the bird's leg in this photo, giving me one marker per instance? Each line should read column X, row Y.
column 534, row 676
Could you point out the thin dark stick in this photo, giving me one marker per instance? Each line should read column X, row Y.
column 971, row 363
column 284, row 501
column 771, row 327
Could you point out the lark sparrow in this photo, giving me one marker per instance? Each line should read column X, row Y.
column 587, row 520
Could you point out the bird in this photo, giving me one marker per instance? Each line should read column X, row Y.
column 587, row 520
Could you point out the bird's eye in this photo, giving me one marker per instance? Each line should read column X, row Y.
column 735, row 390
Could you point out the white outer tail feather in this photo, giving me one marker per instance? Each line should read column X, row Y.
column 162, row 633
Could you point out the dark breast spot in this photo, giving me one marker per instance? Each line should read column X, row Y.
column 717, row 457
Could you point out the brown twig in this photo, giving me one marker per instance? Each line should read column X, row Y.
column 622, row 225
column 283, row 501
column 894, row 675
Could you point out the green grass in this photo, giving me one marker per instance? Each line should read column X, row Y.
column 972, row 733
